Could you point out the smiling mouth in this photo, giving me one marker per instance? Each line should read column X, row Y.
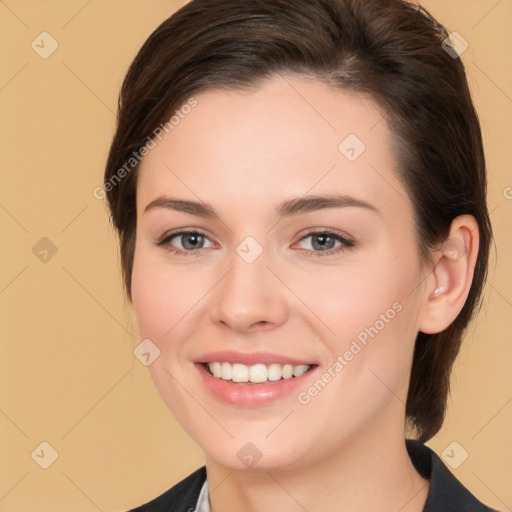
column 256, row 373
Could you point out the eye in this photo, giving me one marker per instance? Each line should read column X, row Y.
column 323, row 243
column 190, row 242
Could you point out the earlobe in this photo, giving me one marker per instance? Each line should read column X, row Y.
column 448, row 285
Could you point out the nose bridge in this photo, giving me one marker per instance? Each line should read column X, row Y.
column 249, row 294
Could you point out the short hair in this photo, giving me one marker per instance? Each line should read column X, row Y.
column 394, row 51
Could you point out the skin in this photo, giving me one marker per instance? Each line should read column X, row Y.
column 244, row 153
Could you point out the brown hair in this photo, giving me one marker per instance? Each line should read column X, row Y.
column 390, row 49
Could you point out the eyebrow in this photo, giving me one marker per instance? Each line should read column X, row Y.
column 289, row 207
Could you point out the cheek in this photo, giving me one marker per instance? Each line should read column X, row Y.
column 161, row 294
column 158, row 296
column 151, row 302
column 353, row 298
column 374, row 316
column 160, row 302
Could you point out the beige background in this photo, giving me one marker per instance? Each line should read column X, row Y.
column 68, row 375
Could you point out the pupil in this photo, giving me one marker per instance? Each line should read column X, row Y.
column 194, row 244
column 322, row 240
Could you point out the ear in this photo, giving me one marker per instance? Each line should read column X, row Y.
column 448, row 285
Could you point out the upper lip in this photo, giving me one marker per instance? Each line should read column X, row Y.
column 249, row 358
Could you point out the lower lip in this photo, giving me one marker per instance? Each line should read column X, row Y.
column 248, row 394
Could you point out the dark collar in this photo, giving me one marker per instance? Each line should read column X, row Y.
column 446, row 493
column 180, row 498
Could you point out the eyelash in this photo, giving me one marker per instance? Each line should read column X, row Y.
column 345, row 243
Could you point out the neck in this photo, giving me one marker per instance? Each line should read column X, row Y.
column 370, row 472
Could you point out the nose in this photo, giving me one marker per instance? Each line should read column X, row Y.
column 250, row 297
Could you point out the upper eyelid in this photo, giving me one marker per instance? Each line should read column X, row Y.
column 327, row 231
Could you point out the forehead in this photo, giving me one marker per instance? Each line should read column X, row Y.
column 288, row 137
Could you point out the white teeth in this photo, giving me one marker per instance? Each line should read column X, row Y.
column 287, row 371
column 216, row 369
column 227, row 371
column 240, row 373
column 256, row 373
column 299, row 370
column 274, row 372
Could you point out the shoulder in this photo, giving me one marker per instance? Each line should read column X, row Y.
column 446, row 493
column 180, row 498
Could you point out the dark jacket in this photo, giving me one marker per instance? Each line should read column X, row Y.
column 446, row 493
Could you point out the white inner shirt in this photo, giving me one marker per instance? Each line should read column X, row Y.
column 203, row 502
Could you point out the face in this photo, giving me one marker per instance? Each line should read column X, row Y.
column 265, row 280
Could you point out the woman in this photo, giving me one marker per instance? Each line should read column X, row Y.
column 300, row 194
